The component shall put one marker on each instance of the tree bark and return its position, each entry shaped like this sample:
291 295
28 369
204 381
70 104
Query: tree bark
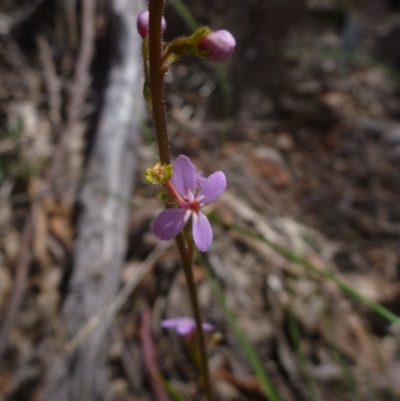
101 242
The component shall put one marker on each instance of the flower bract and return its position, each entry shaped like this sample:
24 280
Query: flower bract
190 199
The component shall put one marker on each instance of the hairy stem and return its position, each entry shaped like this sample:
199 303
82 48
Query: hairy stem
157 98
187 268
157 78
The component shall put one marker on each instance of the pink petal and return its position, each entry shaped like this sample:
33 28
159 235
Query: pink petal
169 223
213 187
200 180
170 323
185 327
202 232
207 326
142 24
219 45
184 177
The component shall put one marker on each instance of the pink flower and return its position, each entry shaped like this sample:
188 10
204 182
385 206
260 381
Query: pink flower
219 45
184 326
200 180
143 24
190 200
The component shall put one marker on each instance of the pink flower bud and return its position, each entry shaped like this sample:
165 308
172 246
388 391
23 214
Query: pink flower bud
143 24
219 45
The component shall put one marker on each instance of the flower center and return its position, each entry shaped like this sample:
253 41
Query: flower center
191 203
194 206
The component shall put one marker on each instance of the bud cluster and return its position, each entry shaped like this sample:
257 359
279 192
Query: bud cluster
215 46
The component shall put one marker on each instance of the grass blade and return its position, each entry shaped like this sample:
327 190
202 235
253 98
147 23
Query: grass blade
248 349
347 289
185 14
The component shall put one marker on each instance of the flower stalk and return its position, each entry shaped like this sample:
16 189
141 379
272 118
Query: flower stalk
156 75
157 78
187 268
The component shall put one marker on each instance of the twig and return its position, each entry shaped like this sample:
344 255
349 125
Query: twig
149 354
85 56
51 79
100 246
131 360
21 276
10 20
249 385
107 315
20 199
79 85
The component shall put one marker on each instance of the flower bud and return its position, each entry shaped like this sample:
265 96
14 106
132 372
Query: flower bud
218 44
143 24
159 174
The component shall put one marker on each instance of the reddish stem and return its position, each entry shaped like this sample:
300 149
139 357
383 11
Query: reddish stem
157 78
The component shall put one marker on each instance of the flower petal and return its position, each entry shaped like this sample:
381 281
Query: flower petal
200 180
170 323
169 223
202 232
213 187
185 327
207 326
184 176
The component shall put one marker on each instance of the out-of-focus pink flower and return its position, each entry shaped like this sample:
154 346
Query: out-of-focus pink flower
184 326
143 24
219 45
184 180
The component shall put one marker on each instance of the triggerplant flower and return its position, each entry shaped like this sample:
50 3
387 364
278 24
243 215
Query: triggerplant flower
219 45
143 24
183 186
184 326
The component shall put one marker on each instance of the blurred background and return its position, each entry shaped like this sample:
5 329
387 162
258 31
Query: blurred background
302 282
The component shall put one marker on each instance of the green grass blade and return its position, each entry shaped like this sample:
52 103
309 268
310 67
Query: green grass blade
295 337
248 349
185 14
346 372
347 289
171 390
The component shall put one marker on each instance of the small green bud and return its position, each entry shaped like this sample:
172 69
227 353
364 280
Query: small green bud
163 196
159 174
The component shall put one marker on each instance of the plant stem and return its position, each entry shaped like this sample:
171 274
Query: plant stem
187 268
157 98
157 78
